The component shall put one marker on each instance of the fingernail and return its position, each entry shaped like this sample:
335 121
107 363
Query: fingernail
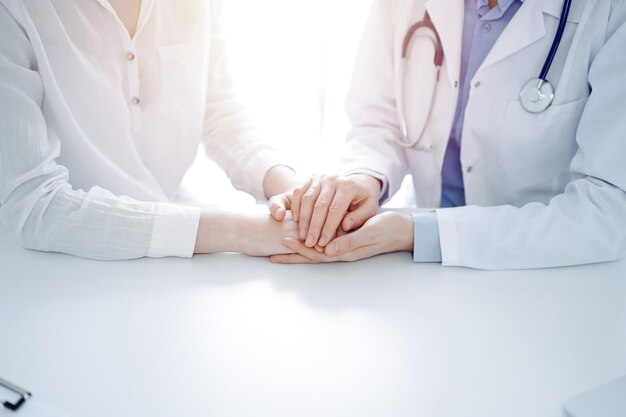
309 240
350 224
334 249
322 241
302 234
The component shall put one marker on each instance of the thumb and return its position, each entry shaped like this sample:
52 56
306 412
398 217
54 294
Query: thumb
279 204
348 243
358 217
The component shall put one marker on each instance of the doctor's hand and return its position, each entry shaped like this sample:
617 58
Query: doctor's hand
386 232
326 204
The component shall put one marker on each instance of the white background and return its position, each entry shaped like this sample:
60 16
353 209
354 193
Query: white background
293 60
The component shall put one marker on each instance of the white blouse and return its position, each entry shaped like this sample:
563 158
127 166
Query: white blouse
97 129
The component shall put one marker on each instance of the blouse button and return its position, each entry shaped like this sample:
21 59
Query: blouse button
130 56
135 101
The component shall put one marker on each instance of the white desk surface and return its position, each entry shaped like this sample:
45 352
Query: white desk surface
226 335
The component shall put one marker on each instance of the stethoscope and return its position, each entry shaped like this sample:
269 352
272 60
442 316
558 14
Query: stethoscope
536 96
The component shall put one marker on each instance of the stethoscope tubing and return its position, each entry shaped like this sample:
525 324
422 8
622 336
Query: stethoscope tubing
426 23
557 40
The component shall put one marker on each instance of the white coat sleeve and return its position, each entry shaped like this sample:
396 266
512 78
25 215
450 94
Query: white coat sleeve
371 104
229 137
40 207
585 224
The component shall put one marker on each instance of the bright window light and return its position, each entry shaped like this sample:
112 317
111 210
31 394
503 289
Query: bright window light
293 60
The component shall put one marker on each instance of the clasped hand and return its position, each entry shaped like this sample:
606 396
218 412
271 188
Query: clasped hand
337 221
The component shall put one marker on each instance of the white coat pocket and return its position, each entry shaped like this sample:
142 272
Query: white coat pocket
536 148
183 81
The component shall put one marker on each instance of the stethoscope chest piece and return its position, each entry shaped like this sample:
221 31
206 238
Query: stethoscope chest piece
537 95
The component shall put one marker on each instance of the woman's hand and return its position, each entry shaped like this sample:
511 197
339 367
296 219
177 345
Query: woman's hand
386 232
324 204
262 235
253 232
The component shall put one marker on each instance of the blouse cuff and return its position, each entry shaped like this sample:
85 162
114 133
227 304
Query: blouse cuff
174 231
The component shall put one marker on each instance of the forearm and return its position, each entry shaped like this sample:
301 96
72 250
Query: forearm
97 224
583 225
252 232
219 231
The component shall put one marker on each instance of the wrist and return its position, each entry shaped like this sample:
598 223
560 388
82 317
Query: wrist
220 231
405 232
279 179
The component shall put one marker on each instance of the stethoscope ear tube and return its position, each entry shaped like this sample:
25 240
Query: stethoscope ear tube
433 36
425 23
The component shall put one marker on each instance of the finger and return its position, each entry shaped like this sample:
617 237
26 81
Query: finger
301 249
306 208
296 199
295 258
351 242
320 213
358 217
339 232
337 211
279 205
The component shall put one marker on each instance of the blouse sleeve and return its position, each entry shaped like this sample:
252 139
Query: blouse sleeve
37 203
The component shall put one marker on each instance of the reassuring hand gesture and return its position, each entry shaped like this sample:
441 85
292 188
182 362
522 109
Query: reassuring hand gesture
386 232
325 204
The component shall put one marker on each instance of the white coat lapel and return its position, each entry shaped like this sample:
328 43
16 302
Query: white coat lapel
447 16
528 26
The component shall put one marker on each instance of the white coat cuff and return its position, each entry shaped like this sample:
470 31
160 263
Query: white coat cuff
448 237
426 244
174 231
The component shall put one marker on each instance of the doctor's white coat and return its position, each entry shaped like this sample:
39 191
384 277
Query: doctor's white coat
542 189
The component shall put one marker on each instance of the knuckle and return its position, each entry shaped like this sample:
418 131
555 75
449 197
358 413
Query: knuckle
313 189
331 179
321 203
335 209
347 184
349 180
351 243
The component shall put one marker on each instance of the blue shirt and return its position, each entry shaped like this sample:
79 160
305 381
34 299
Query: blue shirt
481 29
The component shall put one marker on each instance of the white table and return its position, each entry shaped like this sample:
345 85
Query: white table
228 335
